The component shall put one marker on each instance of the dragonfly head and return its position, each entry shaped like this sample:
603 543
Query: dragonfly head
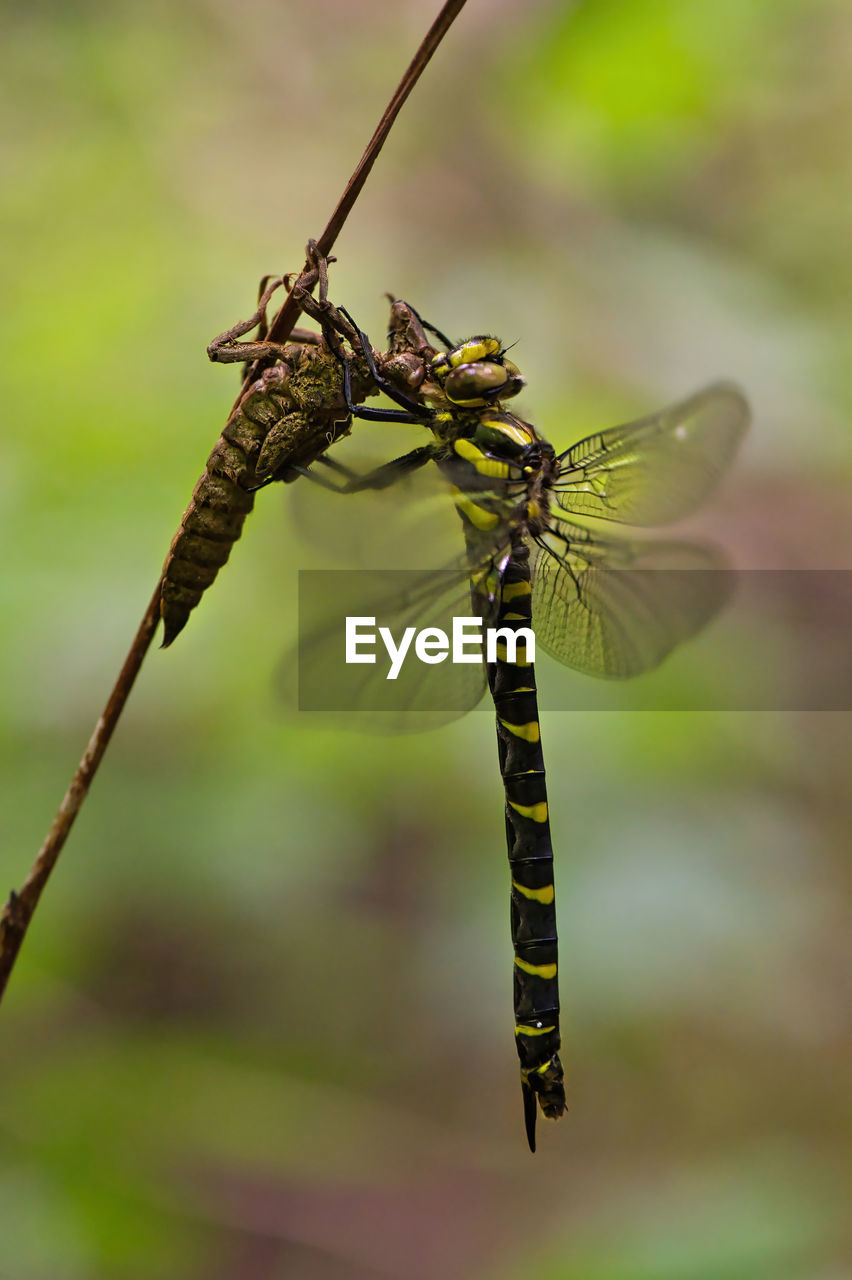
476 373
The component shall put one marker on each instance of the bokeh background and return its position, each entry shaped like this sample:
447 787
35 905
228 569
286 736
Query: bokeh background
262 1024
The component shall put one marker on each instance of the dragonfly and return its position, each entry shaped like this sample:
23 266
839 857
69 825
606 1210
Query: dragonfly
534 558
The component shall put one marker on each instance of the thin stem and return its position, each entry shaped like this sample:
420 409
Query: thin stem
18 911
280 328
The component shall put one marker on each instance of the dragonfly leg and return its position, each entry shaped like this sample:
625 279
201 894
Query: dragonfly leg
416 416
337 323
379 478
417 411
226 347
411 413
309 337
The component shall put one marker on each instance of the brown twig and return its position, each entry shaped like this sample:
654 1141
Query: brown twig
281 326
19 909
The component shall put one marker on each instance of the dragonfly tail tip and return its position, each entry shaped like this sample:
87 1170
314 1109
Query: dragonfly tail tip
530 1108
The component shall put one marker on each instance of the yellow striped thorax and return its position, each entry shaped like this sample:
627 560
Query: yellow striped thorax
476 373
485 464
480 515
503 433
504 473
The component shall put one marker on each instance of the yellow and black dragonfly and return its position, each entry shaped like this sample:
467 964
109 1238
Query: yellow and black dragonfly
534 558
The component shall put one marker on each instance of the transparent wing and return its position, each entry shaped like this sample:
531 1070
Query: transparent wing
615 608
656 469
401 532
360 695
412 524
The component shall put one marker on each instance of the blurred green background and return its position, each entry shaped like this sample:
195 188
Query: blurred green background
262 1024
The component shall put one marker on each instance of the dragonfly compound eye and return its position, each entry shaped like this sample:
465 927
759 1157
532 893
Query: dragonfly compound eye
515 381
477 383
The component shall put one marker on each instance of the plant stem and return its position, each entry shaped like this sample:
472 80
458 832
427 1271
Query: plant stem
18 911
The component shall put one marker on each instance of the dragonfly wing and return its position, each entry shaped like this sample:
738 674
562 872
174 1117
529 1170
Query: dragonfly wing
411 524
360 695
656 469
615 608
406 530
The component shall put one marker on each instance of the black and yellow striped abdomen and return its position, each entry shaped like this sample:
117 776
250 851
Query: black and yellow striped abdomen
533 910
500 487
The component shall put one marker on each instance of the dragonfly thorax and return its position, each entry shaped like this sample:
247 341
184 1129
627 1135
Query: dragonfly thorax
501 469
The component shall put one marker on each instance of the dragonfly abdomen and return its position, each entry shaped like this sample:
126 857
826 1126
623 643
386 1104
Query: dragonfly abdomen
533 913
